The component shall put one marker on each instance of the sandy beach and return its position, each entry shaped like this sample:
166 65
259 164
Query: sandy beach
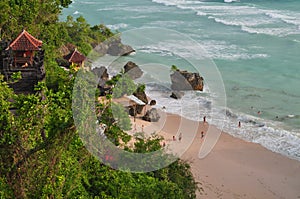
234 168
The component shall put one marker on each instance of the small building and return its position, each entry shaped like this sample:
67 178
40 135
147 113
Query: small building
75 58
23 49
25 55
134 102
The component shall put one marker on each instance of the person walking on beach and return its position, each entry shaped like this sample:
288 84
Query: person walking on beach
180 137
174 139
204 119
202 134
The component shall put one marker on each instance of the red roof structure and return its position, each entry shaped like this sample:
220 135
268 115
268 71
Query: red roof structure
75 57
25 42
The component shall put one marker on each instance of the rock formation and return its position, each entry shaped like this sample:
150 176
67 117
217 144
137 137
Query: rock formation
177 94
152 102
132 70
151 115
103 76
114 47
142 96
183 80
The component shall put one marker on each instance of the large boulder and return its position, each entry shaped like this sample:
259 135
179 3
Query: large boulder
103 76
143 97
152 102
114 47
177 94
183 80
119 49
132 70
151 115
101 48
131 111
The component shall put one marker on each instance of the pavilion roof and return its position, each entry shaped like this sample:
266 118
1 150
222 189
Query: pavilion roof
24 42
135 99
75 57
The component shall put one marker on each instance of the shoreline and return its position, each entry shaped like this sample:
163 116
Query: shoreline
234 168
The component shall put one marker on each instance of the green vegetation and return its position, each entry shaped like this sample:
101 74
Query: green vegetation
141 88
124 85
174 68
16 76
41 154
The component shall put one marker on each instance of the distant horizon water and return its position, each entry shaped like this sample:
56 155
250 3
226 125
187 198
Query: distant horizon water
254 43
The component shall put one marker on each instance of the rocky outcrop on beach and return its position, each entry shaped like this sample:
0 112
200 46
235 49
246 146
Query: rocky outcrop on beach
119 49
101 73
132 70
177 95
152 102
151 115
103 77
114 47
184 80
143 97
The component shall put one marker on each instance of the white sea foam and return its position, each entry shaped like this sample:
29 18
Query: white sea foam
107 9
135 9
195 105
248 17
246 21
170 3
211 49
287 17
167 24
199 13
230 1
90 2
77 13
117 26
184 49
281 32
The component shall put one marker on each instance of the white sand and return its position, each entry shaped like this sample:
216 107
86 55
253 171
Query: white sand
234 168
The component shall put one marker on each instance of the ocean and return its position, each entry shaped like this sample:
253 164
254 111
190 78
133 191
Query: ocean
255 45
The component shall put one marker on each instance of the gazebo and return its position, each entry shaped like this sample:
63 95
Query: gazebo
23 49
133 101
26 56
75 57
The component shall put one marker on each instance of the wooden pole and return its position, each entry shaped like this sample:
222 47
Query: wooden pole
134 111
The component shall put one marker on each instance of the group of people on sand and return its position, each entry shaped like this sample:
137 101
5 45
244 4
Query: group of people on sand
179 137
180 134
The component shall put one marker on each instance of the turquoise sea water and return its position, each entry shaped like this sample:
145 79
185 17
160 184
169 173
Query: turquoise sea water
254 43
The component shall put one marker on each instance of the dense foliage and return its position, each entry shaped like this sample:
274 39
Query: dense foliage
41 154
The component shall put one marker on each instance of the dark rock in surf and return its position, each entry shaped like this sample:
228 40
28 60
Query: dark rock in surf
114 47
177 95
183 80
132 70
